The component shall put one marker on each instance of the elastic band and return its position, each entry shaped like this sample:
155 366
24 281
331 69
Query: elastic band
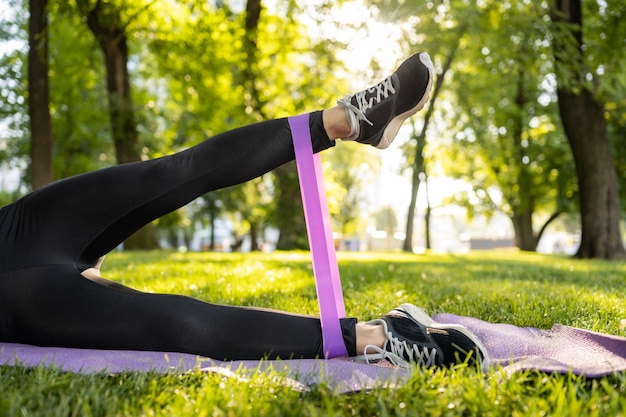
317 217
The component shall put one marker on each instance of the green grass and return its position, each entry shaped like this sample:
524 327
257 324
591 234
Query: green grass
500 286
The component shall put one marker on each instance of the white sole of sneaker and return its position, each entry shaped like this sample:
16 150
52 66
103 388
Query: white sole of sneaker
421 316
390 132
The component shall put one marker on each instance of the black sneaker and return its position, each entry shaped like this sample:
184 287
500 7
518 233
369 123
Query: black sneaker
376 114
414 337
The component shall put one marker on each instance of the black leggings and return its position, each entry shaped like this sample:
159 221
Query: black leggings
50 236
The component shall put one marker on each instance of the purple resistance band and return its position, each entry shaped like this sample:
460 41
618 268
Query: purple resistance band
325 268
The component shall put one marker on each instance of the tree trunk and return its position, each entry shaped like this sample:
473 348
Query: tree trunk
254 237
105 25
418 167
583 120
523 202
418 164
39 96
427 242
105 22
290 213
253 16
525 238
212 219
547 223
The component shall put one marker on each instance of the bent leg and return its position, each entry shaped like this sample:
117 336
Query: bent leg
82 218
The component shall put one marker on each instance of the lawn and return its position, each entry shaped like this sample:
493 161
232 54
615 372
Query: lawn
499 286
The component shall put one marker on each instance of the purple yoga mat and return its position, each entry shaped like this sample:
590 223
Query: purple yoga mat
561 349
342 374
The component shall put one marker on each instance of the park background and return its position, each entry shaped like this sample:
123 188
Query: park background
522 140
519 146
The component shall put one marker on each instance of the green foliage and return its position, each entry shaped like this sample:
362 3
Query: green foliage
349 169
517 288
385 219
13 110
497 122
514 142
78 104
193 76
604 63
498 126
192 55
607 63
617 132
189 70
6 198
212 84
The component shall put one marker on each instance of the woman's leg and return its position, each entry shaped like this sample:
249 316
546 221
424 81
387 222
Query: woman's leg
56 306
74 312
48 238
82 218
66 226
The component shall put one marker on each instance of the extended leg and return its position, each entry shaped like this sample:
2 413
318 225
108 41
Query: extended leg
55 306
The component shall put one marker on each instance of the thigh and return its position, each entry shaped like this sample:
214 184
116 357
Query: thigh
81 218
72 311
57 223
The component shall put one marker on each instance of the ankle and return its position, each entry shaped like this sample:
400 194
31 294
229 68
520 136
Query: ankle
369 335
336 123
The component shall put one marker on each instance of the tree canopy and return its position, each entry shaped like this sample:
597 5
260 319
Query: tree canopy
507 71
502 125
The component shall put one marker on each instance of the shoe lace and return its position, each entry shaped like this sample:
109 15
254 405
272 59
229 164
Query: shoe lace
376 94
399 351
